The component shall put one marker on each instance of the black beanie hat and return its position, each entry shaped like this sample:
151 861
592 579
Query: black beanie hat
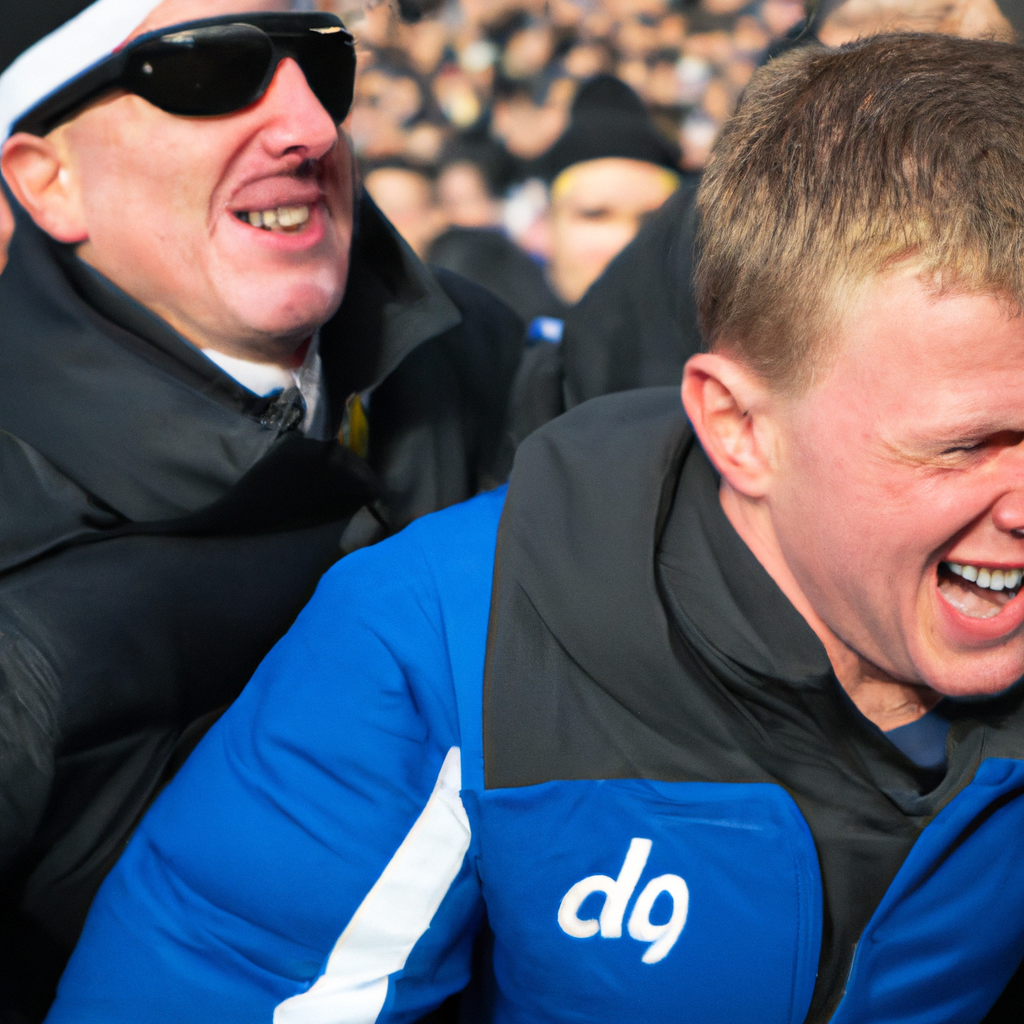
608 119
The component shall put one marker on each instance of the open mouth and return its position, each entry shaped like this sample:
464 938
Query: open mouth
978 591
287 219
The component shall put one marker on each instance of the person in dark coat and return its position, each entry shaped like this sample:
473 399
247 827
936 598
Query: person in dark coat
617 199
634 327
608 171
220 370
474 174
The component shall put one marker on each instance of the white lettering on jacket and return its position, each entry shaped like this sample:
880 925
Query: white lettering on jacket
617 894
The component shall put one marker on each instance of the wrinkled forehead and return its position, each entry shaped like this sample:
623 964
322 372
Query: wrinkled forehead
97 31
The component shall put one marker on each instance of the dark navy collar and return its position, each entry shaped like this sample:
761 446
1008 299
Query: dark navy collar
723 590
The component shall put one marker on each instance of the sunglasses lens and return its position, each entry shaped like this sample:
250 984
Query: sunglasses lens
329 64
201 72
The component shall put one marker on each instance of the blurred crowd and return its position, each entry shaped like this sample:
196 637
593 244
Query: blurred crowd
455 109
508 69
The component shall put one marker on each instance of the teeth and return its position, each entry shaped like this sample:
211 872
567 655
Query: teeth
282 217
990 579
292 216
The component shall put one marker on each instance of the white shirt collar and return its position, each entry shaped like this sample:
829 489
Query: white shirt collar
267 378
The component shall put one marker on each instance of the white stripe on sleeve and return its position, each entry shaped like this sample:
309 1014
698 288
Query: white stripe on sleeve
394 914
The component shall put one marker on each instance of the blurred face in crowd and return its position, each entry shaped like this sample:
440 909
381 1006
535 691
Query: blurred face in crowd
596 209
164 205
6 230
464 197
525 129
406 198
887 499
855 19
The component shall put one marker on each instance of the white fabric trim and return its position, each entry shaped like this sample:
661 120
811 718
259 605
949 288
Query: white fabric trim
66 52
69 50
259 378
394 914
266 378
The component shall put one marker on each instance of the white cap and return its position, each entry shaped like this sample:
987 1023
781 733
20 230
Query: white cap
71 49
66 52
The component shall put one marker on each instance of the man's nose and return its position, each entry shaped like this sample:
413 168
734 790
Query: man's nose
1008 511
297 120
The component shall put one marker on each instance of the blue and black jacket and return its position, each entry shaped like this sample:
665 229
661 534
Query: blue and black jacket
586 747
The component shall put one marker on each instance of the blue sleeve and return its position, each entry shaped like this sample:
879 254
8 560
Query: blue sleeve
330 787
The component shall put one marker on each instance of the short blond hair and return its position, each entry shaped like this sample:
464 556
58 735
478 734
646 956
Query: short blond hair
840 164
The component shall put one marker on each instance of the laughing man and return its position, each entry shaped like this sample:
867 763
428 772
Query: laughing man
725 727
220 369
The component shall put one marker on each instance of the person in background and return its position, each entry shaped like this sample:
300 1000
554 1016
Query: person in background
406 196
717 714
473 175
472 178
220 371
6 228
464 196
608 172
528 117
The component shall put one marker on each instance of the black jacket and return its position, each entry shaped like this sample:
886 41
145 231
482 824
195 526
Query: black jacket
634 328
161 527
491 259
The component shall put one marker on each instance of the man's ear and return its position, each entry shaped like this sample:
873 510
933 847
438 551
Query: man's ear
730 409
38 173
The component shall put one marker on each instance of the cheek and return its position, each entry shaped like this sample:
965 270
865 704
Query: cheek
867 526
594 243
834 523
139 194
339 185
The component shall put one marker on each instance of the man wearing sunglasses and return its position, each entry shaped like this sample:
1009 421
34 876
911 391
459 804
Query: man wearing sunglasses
220 370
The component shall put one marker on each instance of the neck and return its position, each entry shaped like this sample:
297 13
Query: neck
286 360
886 701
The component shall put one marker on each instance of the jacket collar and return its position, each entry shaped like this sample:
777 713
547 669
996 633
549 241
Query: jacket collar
713 580
121 404
622 500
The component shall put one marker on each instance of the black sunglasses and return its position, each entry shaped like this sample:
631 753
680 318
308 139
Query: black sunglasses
214 66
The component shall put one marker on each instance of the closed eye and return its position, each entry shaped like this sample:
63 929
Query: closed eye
1002 439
